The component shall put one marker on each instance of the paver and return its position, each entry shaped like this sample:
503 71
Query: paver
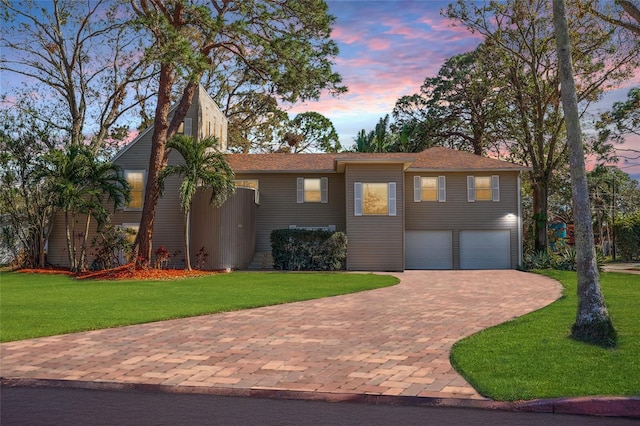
390 341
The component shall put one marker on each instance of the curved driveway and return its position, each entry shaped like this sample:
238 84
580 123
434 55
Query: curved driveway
391 341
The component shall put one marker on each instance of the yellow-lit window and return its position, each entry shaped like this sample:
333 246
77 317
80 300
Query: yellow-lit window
483 188
429 188
135 178
375 199
312 192
246 183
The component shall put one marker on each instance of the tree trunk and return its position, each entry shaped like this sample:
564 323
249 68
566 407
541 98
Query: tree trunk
156 163
83 250
540 218
187 254
592 324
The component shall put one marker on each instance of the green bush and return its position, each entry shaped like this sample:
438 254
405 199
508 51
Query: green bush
628 237
538 260
308 250
565 260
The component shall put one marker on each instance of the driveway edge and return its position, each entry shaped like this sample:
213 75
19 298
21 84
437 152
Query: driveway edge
590 406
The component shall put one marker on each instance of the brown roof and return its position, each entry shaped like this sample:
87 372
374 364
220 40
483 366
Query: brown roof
437 158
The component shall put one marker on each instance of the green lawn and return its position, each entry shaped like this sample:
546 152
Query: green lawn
35 305
532 357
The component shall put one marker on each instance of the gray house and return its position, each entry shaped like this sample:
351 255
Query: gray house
437 209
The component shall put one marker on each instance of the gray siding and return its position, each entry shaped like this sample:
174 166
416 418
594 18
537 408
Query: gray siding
279 208
227 233
458 214
376 243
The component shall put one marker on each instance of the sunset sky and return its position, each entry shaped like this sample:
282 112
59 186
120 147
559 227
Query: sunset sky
387 48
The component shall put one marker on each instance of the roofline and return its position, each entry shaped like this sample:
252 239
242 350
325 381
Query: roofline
238 172
467 169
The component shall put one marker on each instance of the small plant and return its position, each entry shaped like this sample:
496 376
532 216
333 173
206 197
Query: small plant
110 246
162 257
538 260
201 258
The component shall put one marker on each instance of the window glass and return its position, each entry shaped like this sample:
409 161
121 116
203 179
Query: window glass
429 188
246 183
375 199
483 188
131 231
312 192
136 184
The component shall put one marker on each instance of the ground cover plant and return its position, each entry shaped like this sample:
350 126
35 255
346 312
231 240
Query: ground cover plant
533 356
35 305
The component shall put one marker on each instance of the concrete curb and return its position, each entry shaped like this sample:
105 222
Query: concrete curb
590 406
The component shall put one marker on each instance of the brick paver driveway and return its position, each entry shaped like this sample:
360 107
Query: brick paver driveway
391 341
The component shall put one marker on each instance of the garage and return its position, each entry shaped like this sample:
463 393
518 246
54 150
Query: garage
485 249
428 250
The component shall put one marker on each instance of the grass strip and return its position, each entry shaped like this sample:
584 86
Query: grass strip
533 356
36 305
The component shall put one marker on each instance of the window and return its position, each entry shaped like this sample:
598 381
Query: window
375 199
131 231
313 190
246 183
185 127
483 188
136 181
429 189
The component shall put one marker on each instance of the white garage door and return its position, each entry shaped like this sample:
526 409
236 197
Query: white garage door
428 250
485 250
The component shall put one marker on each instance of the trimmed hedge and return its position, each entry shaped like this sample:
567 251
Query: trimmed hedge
308 250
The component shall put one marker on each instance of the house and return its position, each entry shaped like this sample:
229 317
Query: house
437 209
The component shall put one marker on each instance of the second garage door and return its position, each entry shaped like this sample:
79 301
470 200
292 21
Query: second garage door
428 250
485 249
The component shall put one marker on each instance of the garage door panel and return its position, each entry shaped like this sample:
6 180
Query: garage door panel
485 249
428 250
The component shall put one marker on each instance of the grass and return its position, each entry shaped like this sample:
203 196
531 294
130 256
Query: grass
35 305
533 356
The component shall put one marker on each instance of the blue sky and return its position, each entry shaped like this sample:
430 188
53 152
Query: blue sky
387 49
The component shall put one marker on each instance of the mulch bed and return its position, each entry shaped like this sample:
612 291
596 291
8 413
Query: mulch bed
125 272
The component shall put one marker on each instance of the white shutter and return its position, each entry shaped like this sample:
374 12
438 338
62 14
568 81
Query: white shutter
300 190
442 189
471 189
417 189
392 198
357 198
495 188
187 126
324 190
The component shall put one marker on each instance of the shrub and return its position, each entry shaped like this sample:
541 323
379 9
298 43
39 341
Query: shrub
108 246
537 260
628 237
308 250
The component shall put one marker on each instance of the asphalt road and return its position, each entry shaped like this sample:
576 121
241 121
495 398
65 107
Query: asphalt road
69 407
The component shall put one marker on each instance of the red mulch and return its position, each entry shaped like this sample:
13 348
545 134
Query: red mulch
125 272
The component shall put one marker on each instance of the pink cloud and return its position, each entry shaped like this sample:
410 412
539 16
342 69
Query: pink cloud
379 44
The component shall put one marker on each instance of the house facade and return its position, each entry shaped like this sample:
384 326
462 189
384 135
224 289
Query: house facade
437 209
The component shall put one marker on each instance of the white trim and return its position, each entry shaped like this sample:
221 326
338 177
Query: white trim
300 190
495 188
391 189
357 198
442 189
324 190
471 189
417 189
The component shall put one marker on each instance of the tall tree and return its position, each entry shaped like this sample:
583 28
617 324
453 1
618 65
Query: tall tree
626 14
622 121
519 35
203 168
283 45
311 132
81 58
27 202
458 108
592 323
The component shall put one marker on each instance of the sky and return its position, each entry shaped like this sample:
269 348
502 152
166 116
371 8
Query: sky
387 49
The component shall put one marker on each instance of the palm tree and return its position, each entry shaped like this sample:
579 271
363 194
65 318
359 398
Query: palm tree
203 167
80 183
